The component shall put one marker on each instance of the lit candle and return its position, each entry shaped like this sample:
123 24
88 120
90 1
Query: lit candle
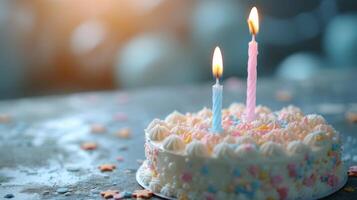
217 90
253 23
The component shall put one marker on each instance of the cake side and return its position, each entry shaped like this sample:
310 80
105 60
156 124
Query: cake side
281 155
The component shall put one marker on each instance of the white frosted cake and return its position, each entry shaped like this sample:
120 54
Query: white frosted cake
281 155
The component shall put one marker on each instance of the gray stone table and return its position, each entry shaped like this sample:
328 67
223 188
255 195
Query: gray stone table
40 154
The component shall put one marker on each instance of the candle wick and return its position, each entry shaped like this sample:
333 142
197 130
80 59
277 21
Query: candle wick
253 37
217 80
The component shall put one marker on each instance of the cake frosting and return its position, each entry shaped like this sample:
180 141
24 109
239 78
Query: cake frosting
158 132
280 155
173 143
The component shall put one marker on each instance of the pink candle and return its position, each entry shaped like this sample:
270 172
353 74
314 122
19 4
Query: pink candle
253 24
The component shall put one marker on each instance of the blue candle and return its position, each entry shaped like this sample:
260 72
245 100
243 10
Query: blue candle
217 91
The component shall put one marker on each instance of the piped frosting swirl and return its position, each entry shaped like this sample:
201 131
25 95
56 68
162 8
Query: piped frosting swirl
158 133
173 143
197 149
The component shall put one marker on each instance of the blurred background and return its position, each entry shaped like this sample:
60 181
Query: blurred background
63 46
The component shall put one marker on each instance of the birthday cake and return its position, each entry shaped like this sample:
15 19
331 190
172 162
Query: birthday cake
280 155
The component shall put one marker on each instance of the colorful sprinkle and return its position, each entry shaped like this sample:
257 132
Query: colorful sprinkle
123 98
351 117
120 117
253 170
335 146
186 177
5 118
124 133
263 128
204 170
211 139
353 169
236 173
97 128
292 170
247 192
283 192
123 195
106 167
348 189
89 146
144 194
187 137
209 196
263 175
282 123
352 174
109 193
332 180
309 181
320 138
239 189
236 133
324 179
276 180
283 95
211 189
255 185
309 160
299 173
120 158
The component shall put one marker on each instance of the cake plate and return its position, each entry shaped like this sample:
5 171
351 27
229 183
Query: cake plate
142 169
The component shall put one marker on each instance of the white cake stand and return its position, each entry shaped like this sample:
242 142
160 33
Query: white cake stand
141 171
143 167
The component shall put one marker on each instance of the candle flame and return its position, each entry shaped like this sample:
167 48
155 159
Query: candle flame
253 21
217 63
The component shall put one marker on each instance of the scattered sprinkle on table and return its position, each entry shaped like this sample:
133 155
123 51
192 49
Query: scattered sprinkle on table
97 128
124 133
89 146
144 194
351 117
348 189
283 95
123 98
352 174
123 195
353 169
120 116
109 193
107 167
5 118
120 158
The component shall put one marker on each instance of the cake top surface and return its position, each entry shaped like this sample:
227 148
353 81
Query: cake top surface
284 132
